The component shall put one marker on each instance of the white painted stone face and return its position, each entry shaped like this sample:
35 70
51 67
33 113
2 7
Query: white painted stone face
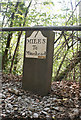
36 45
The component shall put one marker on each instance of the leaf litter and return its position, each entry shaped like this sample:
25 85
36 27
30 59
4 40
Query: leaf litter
62 103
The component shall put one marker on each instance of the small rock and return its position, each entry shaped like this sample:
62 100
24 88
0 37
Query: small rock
71 115
80 116
23 114
7 111
27 100
61 109
3 96
15 91
46 109
15 105
76 111
77 106
31 108
30 112
48 117
23 96
19 98
12 111
16 115
80 94
44 112
37 100
47 105
10 106
15 108
20 93
35 115
54 98
56 108
3 115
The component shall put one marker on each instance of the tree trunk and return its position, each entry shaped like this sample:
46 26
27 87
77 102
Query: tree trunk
63 59
19 36
4 59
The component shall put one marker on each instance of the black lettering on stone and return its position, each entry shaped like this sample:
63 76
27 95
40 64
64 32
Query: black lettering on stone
35 42
44 41
28 40
39 41
34 47
31 41
28 52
